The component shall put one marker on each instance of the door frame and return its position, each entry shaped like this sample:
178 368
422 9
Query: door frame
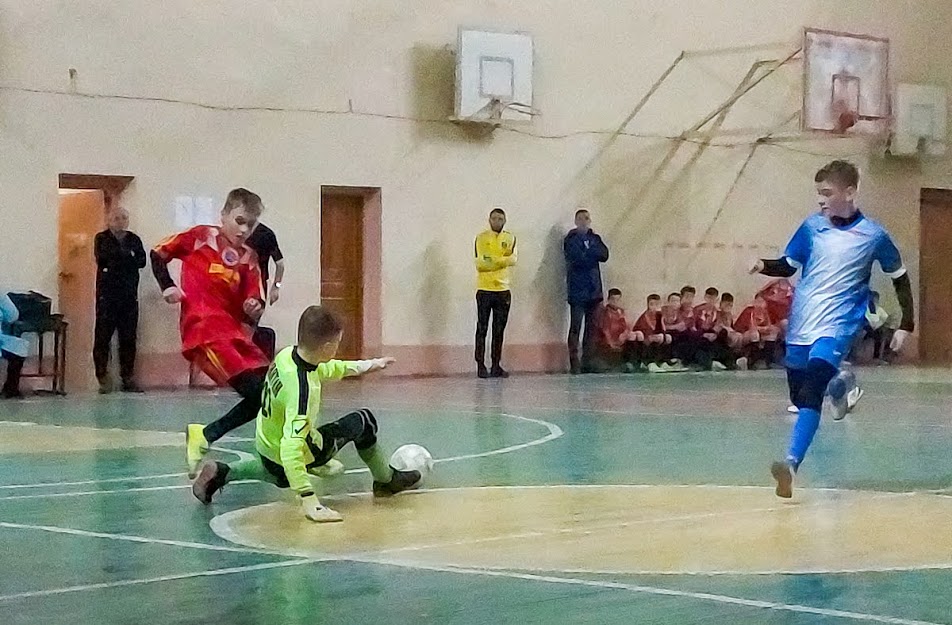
111 186
372 315
931 196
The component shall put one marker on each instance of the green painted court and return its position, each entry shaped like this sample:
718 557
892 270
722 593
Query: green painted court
640 499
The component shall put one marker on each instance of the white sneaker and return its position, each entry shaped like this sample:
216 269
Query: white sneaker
793 409
332 468
742 363
718 366
853 397
655 368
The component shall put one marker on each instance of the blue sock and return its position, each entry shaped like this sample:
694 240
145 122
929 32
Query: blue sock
808 422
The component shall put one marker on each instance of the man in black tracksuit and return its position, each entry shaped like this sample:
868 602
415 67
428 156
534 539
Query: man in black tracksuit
119 258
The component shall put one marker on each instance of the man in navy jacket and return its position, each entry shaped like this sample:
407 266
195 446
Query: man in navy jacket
584 251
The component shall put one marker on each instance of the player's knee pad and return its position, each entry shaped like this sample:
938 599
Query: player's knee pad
817 377
368 430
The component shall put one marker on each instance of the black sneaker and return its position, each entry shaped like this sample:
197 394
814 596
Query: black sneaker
401 481
482 372
211 477
498 372
131 387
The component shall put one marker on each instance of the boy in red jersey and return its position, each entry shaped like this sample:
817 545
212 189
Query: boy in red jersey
221 298
652 331
759 331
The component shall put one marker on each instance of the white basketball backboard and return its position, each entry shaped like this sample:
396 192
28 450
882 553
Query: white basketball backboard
921 123
493 76
845 73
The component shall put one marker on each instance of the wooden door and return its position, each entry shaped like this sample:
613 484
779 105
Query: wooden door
81 216
935 280
342 216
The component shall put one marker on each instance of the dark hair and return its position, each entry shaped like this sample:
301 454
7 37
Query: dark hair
670 295
842 173
243 197
497 210
614 292
711 291
654 297
727 297
688 289
317 326
580 211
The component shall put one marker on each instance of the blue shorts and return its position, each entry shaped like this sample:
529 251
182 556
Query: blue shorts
829 349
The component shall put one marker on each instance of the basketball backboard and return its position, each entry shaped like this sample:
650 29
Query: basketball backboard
493 76
845 82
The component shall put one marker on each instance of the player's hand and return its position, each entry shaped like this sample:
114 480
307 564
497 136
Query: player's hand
274 294
173 295
318 513
757 267
898 340
253 307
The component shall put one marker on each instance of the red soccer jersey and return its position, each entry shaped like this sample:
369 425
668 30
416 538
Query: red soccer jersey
705 317
216 281
673 316
612 326
650 323
752 318
779 296
725 319
687 316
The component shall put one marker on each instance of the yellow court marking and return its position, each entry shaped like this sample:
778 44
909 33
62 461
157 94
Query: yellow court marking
617 529
33 438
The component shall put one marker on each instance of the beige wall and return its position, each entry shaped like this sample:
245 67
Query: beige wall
594 60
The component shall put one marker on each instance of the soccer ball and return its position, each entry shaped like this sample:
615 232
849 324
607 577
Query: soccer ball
412 458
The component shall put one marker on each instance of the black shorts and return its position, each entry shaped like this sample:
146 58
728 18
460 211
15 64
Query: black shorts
358 427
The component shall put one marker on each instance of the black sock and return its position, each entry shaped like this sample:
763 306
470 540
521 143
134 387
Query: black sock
249 385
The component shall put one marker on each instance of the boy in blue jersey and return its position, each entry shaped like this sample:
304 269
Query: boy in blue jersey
835 250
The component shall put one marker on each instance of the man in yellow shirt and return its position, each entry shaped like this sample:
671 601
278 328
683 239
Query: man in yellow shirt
292 446
495 251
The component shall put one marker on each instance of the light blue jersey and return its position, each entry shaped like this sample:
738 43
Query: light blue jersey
836 263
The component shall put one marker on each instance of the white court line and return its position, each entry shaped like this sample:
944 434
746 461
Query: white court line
652 590
151 580
222 526
88 482
132 538
115 491
554 433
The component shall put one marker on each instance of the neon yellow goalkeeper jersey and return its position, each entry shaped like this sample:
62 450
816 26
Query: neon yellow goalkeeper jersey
290 406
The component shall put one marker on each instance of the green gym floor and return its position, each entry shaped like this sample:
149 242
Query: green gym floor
592 499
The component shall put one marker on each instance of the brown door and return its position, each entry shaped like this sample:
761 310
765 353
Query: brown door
342 216
935 280
81 216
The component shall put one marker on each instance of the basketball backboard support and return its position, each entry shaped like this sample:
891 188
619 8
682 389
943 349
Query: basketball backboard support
845 83
493 77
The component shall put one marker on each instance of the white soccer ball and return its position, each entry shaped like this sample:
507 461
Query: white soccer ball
412 458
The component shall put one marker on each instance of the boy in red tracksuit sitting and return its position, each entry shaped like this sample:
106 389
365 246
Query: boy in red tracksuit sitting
614 336
651 331
759 331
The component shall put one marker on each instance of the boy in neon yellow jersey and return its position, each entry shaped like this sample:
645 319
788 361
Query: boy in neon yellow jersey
290 442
